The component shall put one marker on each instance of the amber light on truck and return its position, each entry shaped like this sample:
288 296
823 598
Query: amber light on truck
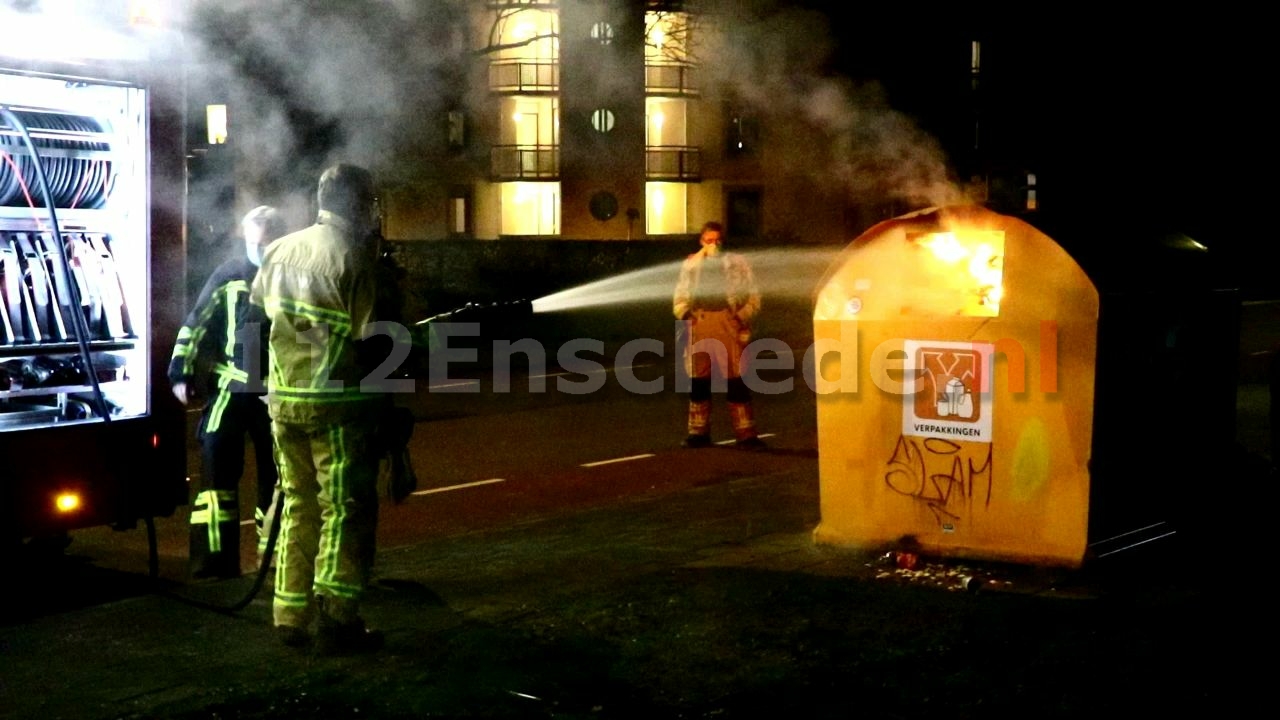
67 502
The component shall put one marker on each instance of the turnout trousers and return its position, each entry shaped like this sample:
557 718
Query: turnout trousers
328 474
215 518
716 340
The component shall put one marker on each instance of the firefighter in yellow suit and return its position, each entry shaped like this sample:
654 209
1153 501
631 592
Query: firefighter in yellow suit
717 297
318 288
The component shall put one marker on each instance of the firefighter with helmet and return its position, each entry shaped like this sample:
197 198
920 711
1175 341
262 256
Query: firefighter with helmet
218 359
318 287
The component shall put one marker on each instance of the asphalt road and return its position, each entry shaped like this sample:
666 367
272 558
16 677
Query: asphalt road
556 564
493 448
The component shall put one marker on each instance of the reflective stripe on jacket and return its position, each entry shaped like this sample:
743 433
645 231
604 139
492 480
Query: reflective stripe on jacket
211 345
317 287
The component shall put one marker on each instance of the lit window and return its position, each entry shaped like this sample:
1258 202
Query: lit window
602 32
666 36
602 120
459 219
665 208
530 208
216 119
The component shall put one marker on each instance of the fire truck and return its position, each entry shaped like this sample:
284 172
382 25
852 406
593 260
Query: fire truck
92 207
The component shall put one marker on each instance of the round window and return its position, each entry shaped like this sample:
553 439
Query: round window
602 120
604 205
602 32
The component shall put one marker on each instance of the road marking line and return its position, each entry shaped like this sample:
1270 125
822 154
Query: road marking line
463 383
589 372
1140 542
761 436
458 487
1125 534
616 460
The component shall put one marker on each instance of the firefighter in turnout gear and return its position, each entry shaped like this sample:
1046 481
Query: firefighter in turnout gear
218 359
716 298
318 287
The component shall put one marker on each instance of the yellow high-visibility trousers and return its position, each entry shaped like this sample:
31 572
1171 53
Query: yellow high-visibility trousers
328 474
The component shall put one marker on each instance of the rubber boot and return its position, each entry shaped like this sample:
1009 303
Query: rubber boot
215 535
744 426
699 424
342 633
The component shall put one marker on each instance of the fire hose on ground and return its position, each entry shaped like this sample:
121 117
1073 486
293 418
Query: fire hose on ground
402 480
259 578
396 434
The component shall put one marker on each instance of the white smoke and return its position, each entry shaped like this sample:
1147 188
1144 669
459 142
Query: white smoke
778 58
358 81
310 82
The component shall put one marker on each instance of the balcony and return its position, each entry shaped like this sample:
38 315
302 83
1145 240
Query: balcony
524 76
503 4
669 78
508 163
677 163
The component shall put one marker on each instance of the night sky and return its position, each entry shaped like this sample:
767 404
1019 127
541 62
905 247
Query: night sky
1158 118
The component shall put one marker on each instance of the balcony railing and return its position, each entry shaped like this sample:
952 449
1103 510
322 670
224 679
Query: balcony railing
524 162
524 76
673 162
670 79
499 4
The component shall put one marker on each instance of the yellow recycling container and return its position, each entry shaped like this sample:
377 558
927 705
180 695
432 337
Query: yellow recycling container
954 366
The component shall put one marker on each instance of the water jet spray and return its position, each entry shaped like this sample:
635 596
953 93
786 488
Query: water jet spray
783 274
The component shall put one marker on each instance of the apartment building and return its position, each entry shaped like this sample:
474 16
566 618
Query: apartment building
593 120
598 120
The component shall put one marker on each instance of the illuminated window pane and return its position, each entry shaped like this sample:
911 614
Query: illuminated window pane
216 120
459 215
665 37
602 32
602 120
458 220
530 208
665 205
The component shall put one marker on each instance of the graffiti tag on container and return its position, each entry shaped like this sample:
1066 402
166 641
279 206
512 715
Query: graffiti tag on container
940 474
